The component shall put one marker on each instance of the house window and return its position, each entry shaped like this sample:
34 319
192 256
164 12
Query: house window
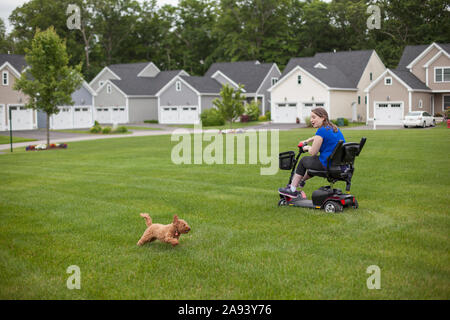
101 83
280 105
274 80
442 75
108 88
420 103
178 86
371 76
359 99
388 81
365 100
299 79
5 78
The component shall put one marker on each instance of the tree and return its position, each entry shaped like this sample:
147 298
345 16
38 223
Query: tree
230 106
6 43
49 81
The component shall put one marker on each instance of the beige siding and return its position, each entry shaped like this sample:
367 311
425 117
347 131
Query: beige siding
376 67
140 109
113 99
10 96
381 92
442 61
426 101
341 104
150 71
207 101
418 70
106 75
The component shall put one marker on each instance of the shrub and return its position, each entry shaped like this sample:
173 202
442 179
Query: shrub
268 115
252 110
96 124
447 113
121 129
345 122
95 129
106 130
262 118
212 117
150 121
308 122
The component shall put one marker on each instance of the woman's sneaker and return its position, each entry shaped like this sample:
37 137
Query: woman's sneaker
288 193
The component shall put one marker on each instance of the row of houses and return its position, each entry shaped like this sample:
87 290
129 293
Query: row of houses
349 84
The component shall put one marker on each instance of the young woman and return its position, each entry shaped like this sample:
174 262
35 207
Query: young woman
326 138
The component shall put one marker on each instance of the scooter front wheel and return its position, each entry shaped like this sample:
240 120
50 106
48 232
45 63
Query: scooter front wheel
282 203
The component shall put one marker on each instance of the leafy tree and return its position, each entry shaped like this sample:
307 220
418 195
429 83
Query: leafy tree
49 81
231 105
6 43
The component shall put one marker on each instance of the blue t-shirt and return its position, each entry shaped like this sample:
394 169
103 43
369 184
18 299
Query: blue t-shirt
330 140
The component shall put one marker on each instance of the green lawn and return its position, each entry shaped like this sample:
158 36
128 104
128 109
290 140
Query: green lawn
6 139
80 206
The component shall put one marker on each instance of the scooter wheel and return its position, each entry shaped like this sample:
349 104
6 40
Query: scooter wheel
355 205
282 202
332 207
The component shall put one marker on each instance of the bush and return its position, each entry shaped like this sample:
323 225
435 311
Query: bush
96 128
345 122
106 130
121 129
252 110
268 115
308 122
262 118
447 113
150 121
212 117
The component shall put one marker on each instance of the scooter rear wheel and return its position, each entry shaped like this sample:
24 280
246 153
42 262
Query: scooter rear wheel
332 207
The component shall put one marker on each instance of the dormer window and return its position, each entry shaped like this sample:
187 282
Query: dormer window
299 79
388 81
320 66
108 88
371 76
274 80
178 85
442 74
5 78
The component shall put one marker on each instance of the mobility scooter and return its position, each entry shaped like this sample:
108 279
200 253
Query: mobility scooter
340 167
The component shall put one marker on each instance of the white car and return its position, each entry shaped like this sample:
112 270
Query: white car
419 119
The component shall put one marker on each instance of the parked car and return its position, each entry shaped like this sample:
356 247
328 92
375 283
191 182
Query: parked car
419 119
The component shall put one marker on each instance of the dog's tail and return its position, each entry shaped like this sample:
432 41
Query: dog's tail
147 218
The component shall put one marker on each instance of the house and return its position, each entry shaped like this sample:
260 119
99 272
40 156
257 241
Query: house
11 67
421 82
78 115
126 93
256 77
332 80
184 98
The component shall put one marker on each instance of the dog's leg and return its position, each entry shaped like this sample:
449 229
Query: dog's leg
146 237
173 242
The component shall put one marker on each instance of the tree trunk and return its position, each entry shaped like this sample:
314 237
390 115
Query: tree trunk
48 130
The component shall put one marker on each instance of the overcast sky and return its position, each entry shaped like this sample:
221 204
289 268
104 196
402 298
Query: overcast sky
7 7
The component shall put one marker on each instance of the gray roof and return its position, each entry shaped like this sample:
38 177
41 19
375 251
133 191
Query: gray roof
133 85
16 60
249 73
410 79
412 52
344 68
203 84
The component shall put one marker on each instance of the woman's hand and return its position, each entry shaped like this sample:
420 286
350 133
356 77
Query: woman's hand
306 148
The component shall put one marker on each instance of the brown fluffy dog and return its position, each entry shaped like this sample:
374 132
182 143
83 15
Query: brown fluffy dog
169 233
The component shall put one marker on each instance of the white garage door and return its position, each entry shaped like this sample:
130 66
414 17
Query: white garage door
82 117
62 120
285 113
2 117
179 114
22 118
307 107
389 113
119 115
103 115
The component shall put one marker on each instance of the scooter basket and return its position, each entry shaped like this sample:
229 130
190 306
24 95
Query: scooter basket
286 160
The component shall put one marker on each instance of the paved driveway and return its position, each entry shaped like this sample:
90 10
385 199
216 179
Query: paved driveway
41 134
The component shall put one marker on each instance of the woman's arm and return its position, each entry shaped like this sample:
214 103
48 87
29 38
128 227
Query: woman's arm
309 140
317 143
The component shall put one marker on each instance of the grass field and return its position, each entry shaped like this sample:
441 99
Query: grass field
80 206
5 139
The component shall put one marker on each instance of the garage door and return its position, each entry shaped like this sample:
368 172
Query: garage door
22 118
285 113
82 117
2 118
119 115
389 113
62 120
307 107
184 114
103 115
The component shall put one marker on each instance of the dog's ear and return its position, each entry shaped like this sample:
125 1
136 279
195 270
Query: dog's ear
175 218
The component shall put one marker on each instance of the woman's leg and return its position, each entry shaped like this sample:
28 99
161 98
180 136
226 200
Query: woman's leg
309 162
